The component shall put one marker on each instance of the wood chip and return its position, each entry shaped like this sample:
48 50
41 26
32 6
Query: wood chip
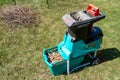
54 57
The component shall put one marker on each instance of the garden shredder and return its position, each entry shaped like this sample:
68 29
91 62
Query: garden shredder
81 38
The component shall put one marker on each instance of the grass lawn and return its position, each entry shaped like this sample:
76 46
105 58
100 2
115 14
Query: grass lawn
21 48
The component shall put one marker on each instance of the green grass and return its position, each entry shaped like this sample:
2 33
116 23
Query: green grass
21 48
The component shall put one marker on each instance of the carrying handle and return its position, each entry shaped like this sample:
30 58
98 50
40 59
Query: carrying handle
93 10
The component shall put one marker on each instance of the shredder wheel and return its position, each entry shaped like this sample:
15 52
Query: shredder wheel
95 61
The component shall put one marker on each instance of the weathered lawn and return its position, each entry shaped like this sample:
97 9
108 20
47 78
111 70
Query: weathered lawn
21 48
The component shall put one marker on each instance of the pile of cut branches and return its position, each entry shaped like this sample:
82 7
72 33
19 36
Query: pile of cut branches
17 15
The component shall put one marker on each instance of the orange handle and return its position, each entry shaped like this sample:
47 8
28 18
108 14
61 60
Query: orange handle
93 10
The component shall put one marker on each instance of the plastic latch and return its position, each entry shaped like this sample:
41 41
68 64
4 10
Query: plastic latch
93 10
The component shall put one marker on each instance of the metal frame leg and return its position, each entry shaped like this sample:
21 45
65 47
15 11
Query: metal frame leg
68 67
90 56
95 53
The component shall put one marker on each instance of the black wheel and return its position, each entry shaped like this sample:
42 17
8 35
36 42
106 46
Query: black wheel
95 61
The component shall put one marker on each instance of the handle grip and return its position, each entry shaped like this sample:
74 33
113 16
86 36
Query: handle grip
93 10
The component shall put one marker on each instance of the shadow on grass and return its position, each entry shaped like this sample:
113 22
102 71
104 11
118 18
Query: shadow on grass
104 55
109 54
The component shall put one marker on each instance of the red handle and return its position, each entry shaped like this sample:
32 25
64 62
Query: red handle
93 10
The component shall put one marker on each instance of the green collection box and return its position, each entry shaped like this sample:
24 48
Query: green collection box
60 67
